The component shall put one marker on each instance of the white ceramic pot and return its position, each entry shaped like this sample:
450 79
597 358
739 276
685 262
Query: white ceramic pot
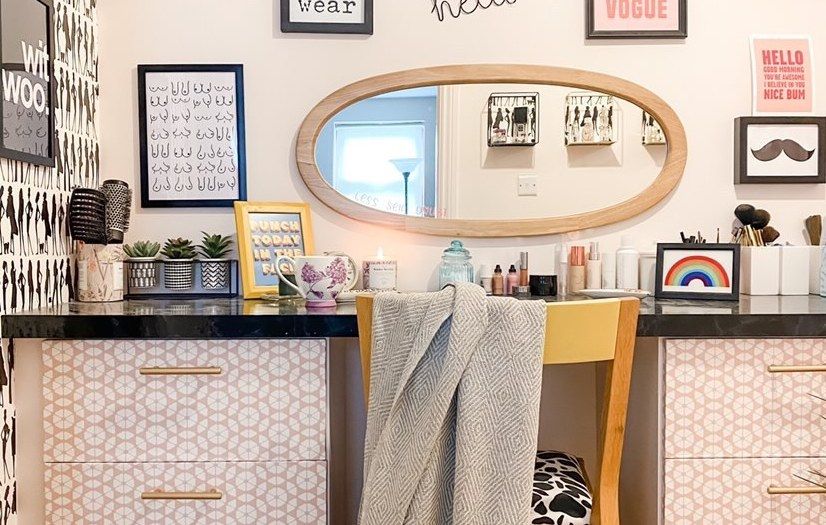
178 274
794 270
214 274
760 270
815 263
142 272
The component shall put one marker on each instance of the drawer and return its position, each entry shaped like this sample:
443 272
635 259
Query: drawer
268 403
721 400
250 493
700 491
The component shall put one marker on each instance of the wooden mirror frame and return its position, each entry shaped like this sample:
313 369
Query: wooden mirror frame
666 181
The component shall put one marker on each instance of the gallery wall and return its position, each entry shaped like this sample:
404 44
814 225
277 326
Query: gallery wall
705 78
35 252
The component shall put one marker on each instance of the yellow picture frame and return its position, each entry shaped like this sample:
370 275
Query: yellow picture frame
250 278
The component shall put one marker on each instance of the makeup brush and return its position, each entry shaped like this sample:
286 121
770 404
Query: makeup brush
761 219
814 226
745 213
769 234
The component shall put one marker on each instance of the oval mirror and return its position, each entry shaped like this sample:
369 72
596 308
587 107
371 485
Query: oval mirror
492 150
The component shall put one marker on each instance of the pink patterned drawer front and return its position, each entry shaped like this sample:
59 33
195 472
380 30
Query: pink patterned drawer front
252 493
722 401
268 404
705 491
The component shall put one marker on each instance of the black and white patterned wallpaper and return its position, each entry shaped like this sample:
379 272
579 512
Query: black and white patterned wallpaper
35 250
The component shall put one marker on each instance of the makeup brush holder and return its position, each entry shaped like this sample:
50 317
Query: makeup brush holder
760 270
794 270
815 265
99 273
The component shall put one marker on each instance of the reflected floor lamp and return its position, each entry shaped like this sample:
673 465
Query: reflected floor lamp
406 167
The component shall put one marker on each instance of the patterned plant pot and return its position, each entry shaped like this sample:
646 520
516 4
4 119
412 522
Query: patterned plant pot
143 272
178 274
214 274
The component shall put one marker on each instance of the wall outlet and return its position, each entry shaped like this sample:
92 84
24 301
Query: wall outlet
527 186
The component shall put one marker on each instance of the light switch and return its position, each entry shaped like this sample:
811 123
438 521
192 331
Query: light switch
527 186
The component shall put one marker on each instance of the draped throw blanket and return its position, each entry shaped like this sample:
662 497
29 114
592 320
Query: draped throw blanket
453 413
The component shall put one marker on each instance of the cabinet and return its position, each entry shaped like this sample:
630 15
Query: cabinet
245 418
741 416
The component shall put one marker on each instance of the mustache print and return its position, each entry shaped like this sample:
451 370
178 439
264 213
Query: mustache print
773 149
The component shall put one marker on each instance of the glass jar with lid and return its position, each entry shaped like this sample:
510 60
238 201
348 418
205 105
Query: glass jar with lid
456 266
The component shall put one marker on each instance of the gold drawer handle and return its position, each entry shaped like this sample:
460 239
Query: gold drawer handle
796 491
178 496
197 371
793 369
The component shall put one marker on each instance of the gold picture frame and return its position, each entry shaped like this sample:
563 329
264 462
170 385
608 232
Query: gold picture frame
256 252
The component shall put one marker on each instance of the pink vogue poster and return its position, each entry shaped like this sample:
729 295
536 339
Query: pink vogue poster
783 76
636 15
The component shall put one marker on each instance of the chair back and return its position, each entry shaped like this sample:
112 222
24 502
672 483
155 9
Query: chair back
576 332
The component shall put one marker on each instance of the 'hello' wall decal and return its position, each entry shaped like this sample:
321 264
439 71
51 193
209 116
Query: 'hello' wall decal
457 8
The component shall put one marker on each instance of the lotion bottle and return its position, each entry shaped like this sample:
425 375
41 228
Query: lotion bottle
593 268
512 281
576 269
628 265
562 274
498 281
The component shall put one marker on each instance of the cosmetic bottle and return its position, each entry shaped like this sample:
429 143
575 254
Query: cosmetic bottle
593 268
486 278
512 281
609 271
498 281
576 269
628 265
524 279
563 272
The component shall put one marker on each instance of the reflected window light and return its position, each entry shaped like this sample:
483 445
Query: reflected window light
362 167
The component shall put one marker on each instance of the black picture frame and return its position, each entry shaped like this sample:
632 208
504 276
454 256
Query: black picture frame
18 155
238 70
363 28
592 34
741 150
659 293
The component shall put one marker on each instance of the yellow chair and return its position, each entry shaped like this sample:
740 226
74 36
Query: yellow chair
577 332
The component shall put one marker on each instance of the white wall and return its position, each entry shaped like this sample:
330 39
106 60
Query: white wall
705 78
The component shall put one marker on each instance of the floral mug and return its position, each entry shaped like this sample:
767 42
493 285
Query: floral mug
320 278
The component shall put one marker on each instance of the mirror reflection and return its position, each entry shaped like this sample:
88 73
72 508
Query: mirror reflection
490 151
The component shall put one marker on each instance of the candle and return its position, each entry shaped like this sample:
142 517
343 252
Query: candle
380 272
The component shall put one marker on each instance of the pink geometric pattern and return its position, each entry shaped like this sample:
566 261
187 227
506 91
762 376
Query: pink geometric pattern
269 403
253 493
735 491
721 401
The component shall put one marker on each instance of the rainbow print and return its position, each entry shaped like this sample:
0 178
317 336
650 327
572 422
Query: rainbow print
698 268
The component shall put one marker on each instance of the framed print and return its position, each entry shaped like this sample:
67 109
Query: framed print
652 132
513 119
192 135
636 18
782 75
267 230
779 150
698 271
27 68
327 16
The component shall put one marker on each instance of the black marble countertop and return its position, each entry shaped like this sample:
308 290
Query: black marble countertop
803 316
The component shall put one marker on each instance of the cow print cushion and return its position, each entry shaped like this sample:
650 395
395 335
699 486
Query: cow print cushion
560 493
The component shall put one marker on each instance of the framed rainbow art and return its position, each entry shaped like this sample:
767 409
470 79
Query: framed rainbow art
698 271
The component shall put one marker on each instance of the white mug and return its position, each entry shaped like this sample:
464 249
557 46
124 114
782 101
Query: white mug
320 278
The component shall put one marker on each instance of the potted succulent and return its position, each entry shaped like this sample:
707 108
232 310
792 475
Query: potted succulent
141 258
177 268
215 272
